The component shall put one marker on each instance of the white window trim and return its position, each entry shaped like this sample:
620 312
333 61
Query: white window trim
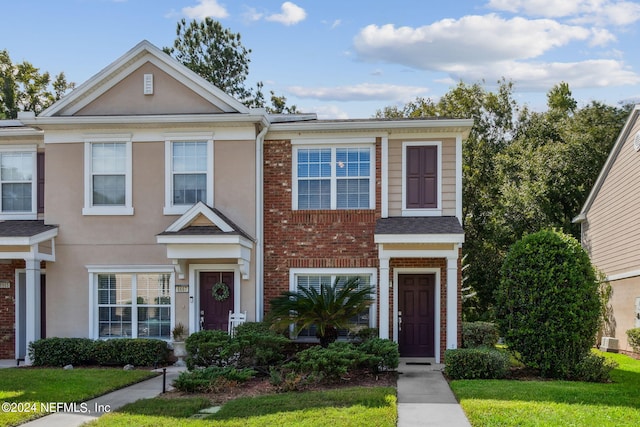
94 271
33 214
169 207
89 209
333 178
421 212
342 272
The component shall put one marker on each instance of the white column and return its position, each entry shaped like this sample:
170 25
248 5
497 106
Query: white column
383 326
32 299
452 302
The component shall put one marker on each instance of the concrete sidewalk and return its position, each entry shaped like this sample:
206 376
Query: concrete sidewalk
94 408
425 398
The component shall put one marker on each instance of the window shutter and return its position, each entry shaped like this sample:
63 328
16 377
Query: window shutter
40 182
422 177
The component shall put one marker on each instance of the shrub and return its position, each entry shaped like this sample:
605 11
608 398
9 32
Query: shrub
548 306
207 348
62 351
380 354
211 379
137 352
475 363
365 334
331 362
593 368
633 335
84 351
479 334
258 347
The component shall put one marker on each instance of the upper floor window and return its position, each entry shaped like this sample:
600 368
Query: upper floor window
422 175
108 177
335 177
189 171
18 183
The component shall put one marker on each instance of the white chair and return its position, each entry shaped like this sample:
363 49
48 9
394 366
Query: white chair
235 319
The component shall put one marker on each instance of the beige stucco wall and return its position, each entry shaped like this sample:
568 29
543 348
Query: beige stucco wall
612 231
448 179
131 240
169 97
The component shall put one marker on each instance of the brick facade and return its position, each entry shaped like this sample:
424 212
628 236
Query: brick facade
8 309
309 239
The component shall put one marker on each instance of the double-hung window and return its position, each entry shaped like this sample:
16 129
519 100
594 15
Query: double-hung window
108 183
314 278
132 305
18 184
189 177
334 177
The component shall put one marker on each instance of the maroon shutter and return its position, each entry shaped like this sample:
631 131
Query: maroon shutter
40 182
422 177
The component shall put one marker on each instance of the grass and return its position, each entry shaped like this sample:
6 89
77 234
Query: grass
357 406
555 403
43 385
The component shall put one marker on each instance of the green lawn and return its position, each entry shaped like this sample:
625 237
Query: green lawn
555 403
31 386
357 406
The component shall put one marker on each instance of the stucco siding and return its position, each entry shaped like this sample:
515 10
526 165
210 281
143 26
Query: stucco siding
447 180
623 300
127 97
612 231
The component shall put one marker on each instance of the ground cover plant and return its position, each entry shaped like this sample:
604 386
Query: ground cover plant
540 402
354 406
32 386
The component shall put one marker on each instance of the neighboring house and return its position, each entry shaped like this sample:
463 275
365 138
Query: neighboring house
611 231
160 187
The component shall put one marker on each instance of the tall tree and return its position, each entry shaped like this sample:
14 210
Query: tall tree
24 88
217 54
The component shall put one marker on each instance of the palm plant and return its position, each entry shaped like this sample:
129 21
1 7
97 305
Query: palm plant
329 309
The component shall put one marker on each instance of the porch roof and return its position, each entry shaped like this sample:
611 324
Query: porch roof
25 232
430 229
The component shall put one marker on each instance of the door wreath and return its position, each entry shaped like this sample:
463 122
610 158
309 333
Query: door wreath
220 291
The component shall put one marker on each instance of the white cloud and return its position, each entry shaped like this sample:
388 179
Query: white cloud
291 14
251 14
327 112
599 12
449 43
204 9
359 92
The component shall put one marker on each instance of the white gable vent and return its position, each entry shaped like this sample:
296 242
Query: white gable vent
148 84
636 142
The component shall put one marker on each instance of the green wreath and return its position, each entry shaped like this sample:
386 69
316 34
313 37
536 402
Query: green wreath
220 291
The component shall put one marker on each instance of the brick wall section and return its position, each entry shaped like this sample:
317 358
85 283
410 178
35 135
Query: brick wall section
8 309
309 239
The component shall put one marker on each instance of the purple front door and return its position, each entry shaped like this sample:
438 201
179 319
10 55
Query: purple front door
214 314
416 313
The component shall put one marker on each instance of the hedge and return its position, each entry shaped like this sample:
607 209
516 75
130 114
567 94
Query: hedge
475 363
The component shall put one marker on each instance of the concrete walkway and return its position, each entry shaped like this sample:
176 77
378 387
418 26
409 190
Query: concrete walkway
108 403
424 396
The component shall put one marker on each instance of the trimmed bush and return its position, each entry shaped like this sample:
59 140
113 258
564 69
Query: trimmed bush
211 379
633 335
256 346
475 363
548 305
479 334
331 362
207 348
62 351
593 368
137 352
380 354
84 351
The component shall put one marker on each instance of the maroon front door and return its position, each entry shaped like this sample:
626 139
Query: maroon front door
416 315
214 314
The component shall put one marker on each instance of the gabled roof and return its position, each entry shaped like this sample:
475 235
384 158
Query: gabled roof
624 135
215 224
122 67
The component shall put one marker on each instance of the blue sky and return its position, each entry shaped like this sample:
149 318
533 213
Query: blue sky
348 58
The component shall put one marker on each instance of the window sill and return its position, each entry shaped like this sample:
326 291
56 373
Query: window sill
6 216
107 210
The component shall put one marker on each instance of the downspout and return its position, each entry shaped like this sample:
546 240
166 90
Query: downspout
260 224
